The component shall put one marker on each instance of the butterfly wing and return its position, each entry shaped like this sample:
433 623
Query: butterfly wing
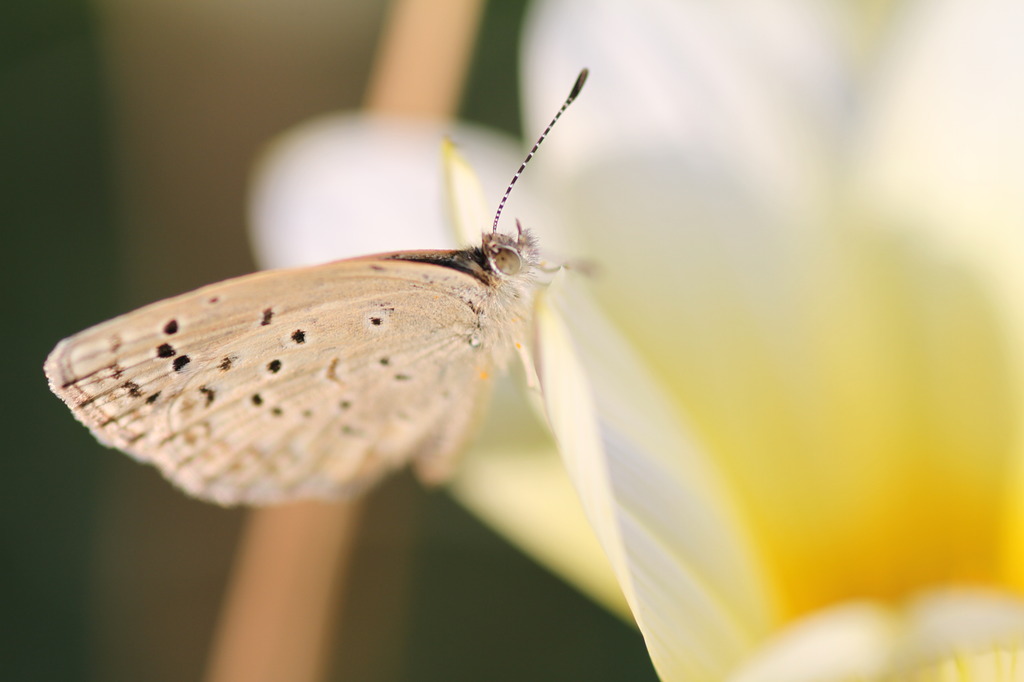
289 384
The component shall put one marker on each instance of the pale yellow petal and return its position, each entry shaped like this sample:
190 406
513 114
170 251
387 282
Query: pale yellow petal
855 386
526 496
657 506
468 211
963 634
513 479
958 620
943 145
998 665
845 643
943 154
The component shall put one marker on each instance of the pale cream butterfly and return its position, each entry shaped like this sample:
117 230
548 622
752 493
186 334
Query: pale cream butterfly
313 381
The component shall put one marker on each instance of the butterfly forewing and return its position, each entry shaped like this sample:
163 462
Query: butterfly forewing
291 383
312 381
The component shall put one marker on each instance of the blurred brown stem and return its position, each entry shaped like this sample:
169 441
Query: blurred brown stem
279 612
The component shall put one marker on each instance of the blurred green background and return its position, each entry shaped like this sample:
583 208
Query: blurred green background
128 129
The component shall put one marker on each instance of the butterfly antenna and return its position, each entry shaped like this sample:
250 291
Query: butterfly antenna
580 80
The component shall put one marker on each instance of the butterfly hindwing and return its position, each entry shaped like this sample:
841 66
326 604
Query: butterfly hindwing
291 383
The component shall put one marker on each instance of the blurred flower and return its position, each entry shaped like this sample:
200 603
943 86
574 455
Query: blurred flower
802 453
790 397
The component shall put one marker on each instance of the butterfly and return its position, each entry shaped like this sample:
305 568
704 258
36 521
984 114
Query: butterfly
312 381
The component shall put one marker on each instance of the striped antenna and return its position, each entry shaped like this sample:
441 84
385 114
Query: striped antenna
580 80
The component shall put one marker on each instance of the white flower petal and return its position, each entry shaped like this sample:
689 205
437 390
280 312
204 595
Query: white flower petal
760 89
659 509
943 144
847 642
867 640
952 621
352 184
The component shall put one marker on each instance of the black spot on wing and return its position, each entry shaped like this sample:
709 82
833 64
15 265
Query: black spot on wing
268 315
171 327
180 362
379 317
165 350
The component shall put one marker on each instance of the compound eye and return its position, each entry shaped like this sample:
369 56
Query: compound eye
507 261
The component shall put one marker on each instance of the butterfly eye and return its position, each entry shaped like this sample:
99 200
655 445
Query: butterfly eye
506 260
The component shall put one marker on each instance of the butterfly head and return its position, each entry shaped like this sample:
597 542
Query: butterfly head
507 255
